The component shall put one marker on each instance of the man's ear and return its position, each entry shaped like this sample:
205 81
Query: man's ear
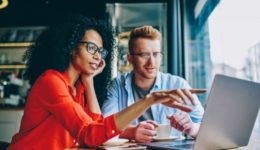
130 58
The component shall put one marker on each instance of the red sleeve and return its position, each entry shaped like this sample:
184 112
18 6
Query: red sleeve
88 128
98 132
94 116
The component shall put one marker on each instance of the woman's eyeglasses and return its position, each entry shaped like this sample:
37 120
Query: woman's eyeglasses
92 48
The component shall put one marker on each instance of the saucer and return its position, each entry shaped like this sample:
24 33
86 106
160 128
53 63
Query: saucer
164 138
117 142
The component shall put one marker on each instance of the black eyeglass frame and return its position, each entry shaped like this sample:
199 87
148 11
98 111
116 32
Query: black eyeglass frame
144 54
103 52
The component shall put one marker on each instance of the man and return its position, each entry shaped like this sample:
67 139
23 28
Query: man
145 56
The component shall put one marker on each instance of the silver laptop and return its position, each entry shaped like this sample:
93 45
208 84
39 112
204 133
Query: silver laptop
229 118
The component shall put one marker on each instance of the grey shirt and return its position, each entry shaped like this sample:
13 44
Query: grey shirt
138 94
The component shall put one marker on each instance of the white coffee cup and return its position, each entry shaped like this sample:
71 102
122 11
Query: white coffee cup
163 131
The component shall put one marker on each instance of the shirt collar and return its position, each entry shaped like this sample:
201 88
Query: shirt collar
79 85
128 82
157 84
158 81
66 78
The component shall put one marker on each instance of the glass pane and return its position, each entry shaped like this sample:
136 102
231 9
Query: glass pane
226 41
127 16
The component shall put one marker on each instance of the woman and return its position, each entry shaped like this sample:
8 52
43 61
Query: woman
62 109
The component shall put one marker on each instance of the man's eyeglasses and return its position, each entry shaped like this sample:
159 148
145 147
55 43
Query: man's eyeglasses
92 48
147 55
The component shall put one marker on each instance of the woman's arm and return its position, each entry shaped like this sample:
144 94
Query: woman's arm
174 98
126 116
90 95
58 100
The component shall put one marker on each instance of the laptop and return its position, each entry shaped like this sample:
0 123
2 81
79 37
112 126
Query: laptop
229 118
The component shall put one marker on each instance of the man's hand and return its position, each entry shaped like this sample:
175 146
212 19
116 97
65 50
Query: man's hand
182 122
145 131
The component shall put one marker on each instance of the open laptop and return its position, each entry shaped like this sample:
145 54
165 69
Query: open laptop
229 118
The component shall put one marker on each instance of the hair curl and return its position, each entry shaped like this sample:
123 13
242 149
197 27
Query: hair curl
53 48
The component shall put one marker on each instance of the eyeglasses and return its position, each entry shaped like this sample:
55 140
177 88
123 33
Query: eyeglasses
92 48
147 55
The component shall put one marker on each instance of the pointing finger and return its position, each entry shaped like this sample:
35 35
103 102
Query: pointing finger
182 107
189 95
198 91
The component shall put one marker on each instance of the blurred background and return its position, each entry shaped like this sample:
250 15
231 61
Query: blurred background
200 38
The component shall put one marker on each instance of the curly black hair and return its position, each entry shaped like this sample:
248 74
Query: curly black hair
53 47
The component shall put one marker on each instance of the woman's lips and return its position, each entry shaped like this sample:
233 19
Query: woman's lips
94 66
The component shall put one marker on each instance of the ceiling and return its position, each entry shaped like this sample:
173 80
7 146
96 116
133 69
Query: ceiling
125 17
29 15
47 12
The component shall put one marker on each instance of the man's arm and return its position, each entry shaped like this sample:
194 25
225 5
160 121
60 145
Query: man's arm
197 110
111 102
188 123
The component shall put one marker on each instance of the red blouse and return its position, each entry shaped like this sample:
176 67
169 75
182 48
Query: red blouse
55 119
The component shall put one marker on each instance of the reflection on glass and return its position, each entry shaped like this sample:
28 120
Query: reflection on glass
224 40
127 16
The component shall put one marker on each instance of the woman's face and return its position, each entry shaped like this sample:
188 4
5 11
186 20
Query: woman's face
83 61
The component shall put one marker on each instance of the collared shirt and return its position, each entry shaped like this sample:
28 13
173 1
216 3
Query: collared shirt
120 96
55 119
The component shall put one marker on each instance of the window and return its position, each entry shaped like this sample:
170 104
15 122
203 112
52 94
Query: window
222 37
127 16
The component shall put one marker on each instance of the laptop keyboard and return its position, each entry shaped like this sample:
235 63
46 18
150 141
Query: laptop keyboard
183 146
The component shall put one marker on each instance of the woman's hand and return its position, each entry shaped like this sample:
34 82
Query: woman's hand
100 67
178 98
88 78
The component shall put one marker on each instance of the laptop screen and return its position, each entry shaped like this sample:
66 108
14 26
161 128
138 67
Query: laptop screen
229 118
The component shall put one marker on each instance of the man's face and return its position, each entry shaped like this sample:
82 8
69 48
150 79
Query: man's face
146 57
